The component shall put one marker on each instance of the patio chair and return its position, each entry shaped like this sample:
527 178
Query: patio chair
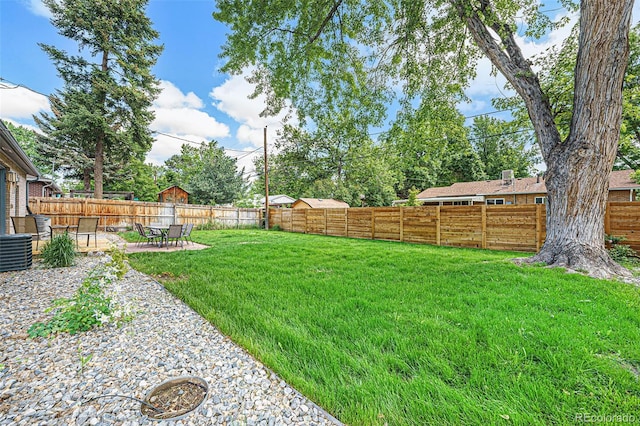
174 233
146 235
88 226
186 232
29 225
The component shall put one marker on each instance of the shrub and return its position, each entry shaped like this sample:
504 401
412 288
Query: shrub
90 306
59 252
622 253
118 261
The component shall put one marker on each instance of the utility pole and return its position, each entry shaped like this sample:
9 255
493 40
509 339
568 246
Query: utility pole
266 183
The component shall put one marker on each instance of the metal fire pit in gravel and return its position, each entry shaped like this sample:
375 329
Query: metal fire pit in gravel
175 398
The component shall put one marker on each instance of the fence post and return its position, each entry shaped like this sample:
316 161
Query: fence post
401 224
346 223
484 226
373 224
437 225
607 219
325 221
538 226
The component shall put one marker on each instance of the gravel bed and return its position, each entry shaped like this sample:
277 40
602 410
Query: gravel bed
43 381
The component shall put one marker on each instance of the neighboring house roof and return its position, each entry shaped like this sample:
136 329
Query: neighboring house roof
11 148
620 179
278 199
323 203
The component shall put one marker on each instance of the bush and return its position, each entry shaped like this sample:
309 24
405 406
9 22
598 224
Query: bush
622 253
90 306
59 252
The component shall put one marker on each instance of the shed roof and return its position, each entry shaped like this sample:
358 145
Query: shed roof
323 203
174 186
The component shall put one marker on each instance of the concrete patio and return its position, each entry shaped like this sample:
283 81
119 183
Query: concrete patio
106 240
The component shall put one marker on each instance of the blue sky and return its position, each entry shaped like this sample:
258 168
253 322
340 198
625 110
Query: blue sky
197 103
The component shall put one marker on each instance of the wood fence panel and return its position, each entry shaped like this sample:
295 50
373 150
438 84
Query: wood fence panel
461 226
360 223
120 214
286 216
316 221
337 222
419 224
386 223
511 227
624 221
299 220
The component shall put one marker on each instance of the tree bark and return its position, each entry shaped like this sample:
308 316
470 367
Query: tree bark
98 168
578 169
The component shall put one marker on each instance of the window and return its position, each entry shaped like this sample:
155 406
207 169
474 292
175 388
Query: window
541 200
494 201
461 203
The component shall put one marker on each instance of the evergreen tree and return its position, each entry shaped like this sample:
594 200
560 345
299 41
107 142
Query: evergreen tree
100 119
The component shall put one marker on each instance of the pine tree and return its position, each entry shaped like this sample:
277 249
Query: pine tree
100 119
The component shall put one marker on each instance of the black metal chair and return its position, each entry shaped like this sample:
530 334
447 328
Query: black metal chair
146 235
186 232
174 233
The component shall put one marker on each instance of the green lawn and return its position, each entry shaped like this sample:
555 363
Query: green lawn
379 332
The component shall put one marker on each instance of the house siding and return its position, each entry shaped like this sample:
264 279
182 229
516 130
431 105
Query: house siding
622 195
15 201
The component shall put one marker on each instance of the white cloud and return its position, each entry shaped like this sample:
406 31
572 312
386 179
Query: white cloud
19 103
38 8
233 98
181 118
172 97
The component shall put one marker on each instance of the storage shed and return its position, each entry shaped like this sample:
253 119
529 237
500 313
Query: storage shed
174 194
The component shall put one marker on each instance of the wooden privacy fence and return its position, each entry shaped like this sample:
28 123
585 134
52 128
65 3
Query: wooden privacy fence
119 214
509 227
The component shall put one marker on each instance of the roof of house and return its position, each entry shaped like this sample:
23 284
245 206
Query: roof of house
279 199
326 203
620 179
11 148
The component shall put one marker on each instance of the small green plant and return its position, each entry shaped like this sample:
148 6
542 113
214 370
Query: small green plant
84 360
622 253
59 252
118 261
90 306
613 239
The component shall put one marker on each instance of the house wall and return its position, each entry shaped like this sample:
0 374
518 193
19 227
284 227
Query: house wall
15 201
622 195
35 190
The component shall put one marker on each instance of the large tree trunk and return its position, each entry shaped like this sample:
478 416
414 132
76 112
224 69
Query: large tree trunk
98 168
578 168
